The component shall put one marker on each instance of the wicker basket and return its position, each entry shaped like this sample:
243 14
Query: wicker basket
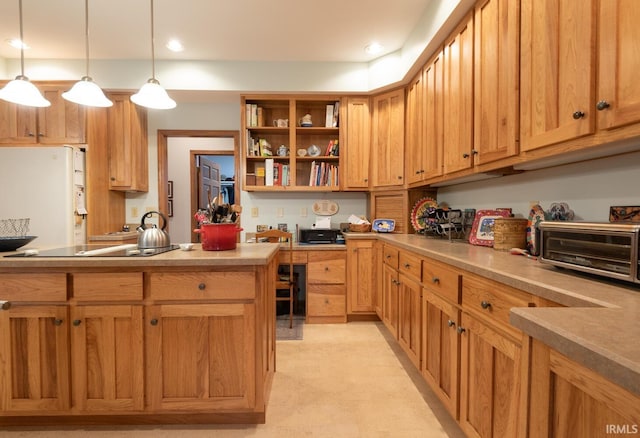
359 228
509 232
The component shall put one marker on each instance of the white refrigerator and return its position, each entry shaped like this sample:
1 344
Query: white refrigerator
45 184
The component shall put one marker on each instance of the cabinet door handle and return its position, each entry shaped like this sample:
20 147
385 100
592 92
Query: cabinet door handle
202 286
388 256
450 323
76 322
407 265
465 155
435 280
461 330
153 322
578 115
474 152
485 304
326 269
57 322
602 105
5 305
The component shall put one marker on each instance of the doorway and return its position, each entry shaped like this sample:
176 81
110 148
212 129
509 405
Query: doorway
193 144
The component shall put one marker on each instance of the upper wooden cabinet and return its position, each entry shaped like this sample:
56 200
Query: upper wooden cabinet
618 97
127 143
275 121
496 80
557 71
387 146
414 143
358 141
458 98
63 122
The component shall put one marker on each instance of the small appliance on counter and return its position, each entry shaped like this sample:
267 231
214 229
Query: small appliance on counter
320 236
606 249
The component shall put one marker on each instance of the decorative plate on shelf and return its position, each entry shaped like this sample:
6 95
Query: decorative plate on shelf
419 212
383 225
536 215
482 229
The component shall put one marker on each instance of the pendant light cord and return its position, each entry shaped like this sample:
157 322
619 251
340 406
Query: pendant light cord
153 54
21 42
86 33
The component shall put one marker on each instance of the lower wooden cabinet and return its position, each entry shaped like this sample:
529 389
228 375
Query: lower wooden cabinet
489 381
200 356
567 399
107 357
440 350
390 291
361 276
409 317
34 356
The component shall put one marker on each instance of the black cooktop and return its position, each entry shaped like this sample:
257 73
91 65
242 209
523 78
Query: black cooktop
102 251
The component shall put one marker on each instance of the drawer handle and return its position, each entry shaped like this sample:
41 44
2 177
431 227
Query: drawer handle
407 265
485 304
602 105
57 322
435 280
202 286
326 301
76 322
461 330
326 269
388 256
578 115
450 323
5 305
153 322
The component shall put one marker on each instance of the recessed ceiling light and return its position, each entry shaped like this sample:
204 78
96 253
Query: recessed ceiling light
374 48
16 43
175 46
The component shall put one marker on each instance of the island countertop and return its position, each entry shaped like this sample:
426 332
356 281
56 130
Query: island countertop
600 326
243 254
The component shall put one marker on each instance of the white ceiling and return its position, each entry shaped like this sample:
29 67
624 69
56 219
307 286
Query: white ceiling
237 30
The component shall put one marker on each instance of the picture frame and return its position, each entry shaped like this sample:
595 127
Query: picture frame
169 189
170 207
482 229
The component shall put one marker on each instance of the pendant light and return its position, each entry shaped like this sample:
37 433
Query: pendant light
85 91
21 90
151 94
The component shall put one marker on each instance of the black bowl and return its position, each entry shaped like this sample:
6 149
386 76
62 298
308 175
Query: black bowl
13 243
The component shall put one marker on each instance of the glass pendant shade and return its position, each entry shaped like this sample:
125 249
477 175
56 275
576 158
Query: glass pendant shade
152 95
23 92
88 93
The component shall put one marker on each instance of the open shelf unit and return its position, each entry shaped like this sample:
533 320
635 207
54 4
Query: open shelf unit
292 171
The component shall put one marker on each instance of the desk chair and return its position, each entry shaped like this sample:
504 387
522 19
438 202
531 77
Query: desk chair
284 282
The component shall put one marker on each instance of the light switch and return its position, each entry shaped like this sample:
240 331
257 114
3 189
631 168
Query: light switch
303 212
280 212
254 211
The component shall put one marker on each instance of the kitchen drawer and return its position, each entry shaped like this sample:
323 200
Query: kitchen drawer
33 287
202 285
493 301
441 279
299 257
107 286
390 256
326 303
410 264
326 267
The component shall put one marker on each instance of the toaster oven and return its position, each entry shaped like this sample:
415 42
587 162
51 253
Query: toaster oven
607 249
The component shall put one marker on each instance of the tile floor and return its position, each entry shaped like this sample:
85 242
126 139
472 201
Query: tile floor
342 380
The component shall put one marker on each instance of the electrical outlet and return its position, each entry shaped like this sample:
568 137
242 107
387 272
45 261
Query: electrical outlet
134 211
254 211
280 212
303 212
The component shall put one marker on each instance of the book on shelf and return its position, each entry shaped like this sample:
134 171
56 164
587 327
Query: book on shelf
277 174
336 114
328 120
332 148
268 172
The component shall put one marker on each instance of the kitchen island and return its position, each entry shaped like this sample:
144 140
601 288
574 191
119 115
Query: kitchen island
179 337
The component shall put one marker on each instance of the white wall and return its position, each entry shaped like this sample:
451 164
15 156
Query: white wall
589 188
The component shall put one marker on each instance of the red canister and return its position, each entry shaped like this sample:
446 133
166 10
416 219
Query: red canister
218 237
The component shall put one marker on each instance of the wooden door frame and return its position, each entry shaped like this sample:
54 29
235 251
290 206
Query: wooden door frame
163 162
